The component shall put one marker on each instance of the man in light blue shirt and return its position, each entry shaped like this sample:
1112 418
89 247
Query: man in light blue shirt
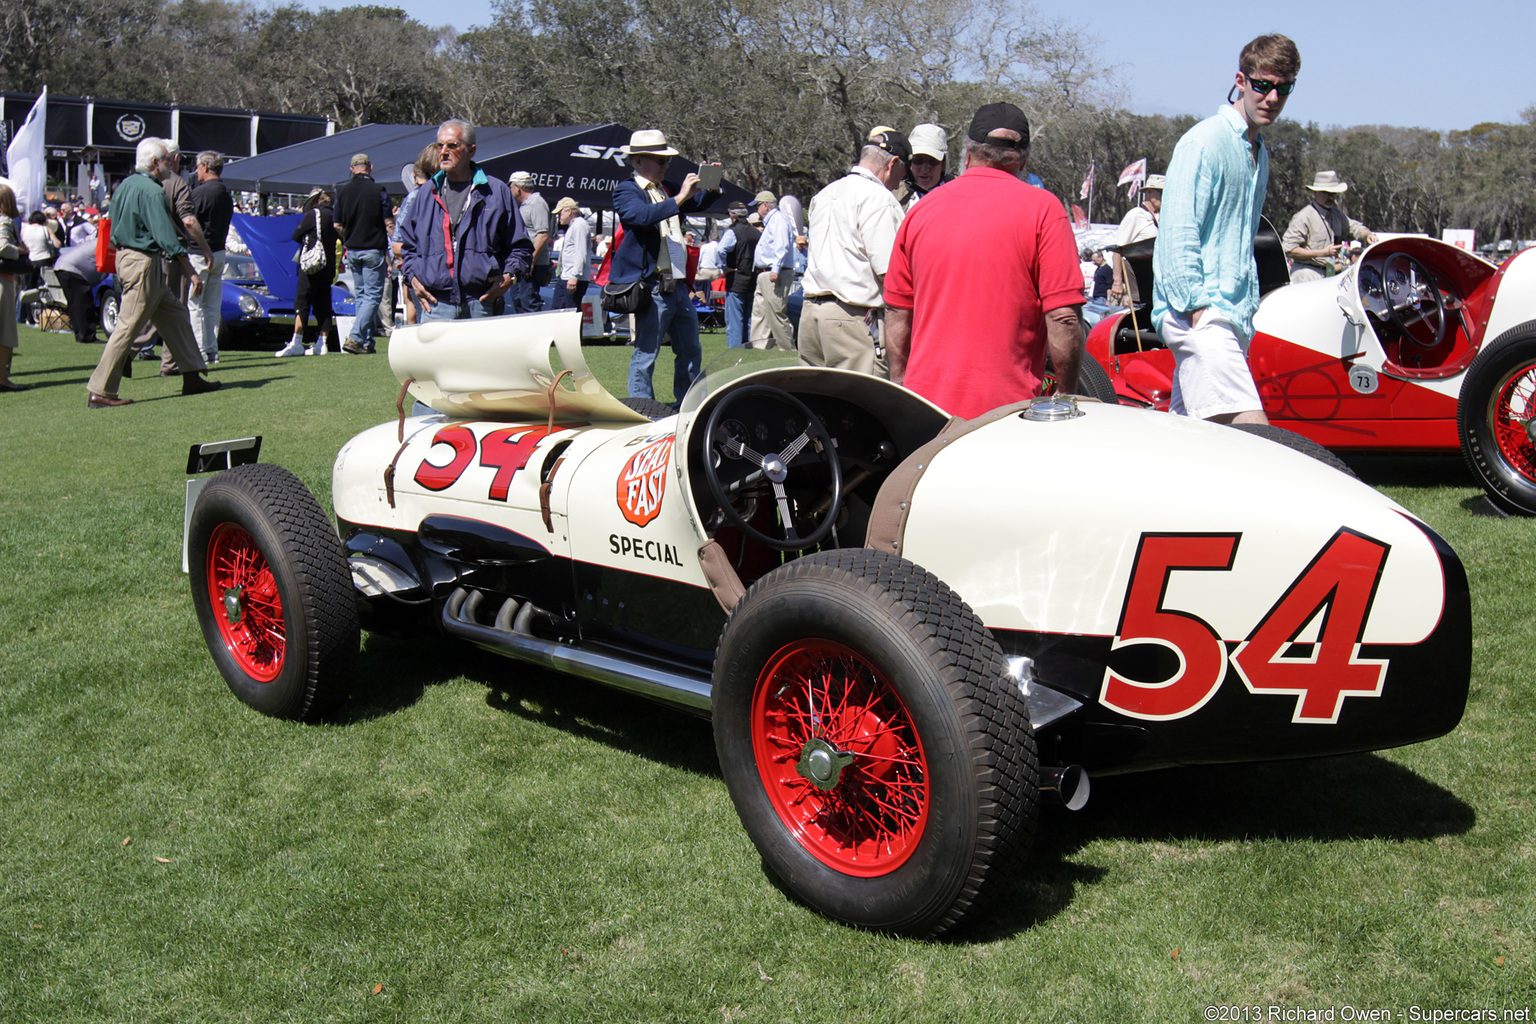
1206 284
774 262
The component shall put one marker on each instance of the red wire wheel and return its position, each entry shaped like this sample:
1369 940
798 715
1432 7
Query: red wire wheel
1496 418
877 752
1514 405
273 592
249 610
840 758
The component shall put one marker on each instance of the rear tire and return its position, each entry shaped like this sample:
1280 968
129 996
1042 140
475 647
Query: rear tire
273 592
1094 381
877 752
1296 443
1498 399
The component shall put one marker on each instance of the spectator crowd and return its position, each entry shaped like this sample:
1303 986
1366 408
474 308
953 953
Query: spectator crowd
963 281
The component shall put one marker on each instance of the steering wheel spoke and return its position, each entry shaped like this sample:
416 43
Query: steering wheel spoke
1414 301
726 431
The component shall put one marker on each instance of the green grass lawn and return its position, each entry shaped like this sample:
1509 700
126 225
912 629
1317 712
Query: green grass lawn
472 840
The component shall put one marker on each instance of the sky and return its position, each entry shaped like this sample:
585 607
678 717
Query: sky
1409 63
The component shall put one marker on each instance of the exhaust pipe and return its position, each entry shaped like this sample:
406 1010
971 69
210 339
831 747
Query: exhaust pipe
1067 785
512 635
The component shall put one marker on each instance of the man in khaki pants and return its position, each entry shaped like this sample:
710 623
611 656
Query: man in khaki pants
853 224
145 237
774 261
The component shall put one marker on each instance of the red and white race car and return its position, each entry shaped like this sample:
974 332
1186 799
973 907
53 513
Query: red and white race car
1418 347
904 627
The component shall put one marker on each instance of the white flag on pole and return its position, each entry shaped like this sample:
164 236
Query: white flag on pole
24 157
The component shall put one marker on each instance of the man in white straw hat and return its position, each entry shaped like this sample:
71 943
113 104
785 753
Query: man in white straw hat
1138 225
653 256
1313 241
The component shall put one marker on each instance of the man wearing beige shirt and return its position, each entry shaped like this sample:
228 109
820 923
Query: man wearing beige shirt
853 224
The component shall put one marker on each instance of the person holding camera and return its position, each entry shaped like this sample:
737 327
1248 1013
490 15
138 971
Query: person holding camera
653 259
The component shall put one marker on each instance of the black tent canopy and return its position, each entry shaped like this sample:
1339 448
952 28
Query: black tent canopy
580 161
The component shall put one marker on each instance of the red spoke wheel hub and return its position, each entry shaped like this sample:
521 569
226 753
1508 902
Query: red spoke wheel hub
1514 406
249 610
840 758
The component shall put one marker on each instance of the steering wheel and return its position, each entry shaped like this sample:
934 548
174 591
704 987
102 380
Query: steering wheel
727 439
1413 299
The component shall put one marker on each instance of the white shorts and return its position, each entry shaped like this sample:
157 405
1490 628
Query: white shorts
1210 375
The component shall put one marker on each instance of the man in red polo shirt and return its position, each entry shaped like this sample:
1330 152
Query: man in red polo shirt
984 278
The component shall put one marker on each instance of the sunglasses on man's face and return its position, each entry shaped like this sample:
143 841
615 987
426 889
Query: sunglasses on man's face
1263 85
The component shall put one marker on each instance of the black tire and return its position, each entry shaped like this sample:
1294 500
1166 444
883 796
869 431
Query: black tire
650 408
1094 381
261 550
1297 443
922 666
1498 389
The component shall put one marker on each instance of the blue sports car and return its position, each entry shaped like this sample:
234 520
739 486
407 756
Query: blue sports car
256 307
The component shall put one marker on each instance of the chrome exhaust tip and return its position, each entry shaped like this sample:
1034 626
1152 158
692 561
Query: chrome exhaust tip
1067 785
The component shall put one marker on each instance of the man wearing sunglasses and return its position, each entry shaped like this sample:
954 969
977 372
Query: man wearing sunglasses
1206 283
463 244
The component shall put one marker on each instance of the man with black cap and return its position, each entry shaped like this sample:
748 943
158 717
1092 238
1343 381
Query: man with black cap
986 232
735 255
852 228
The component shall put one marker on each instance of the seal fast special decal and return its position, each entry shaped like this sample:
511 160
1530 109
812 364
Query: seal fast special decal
643 481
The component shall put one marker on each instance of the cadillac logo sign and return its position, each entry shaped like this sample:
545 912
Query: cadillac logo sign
130 127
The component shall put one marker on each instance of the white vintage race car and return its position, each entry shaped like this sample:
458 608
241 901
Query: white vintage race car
904 627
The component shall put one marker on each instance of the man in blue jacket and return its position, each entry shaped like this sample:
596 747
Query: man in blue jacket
652 253
489 248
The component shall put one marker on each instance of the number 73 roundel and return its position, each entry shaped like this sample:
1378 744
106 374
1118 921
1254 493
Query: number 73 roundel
1334 591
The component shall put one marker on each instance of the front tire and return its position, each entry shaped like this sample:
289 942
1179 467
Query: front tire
273 592
1494 418
876 750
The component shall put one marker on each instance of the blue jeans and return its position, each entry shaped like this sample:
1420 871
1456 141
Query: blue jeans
669 313
525 293
738 310
566 299
469 309
368 271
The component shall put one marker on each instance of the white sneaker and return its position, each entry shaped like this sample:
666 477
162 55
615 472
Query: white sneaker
318 348
295 347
